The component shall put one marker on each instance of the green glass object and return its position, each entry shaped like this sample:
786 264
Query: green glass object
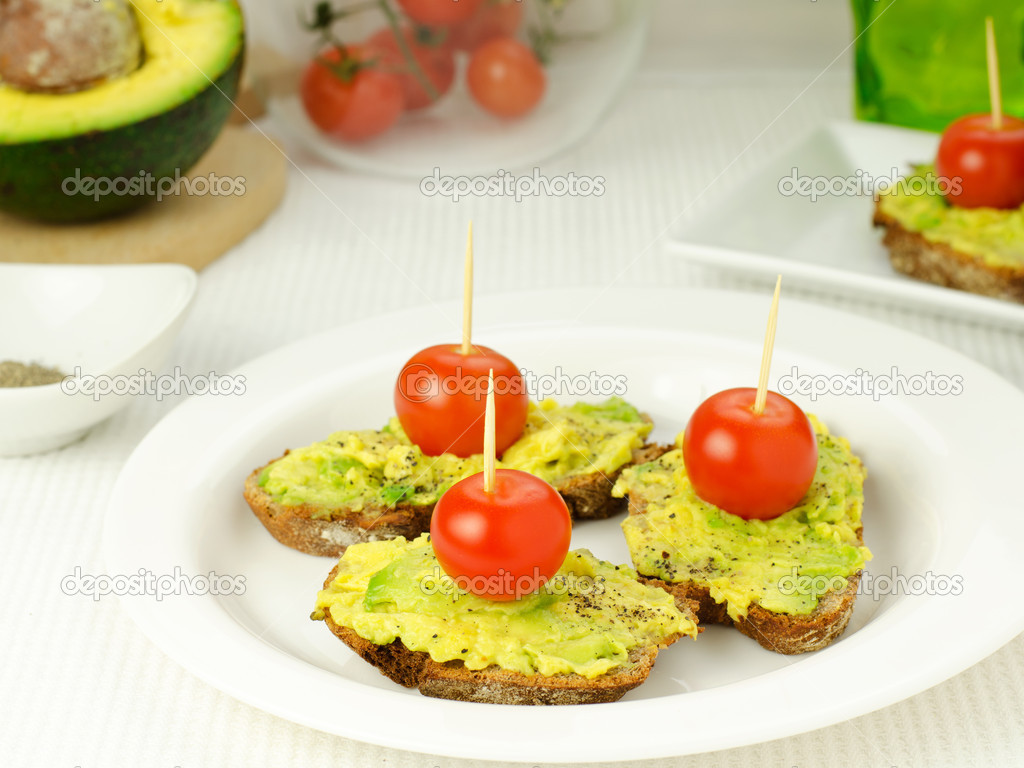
921 63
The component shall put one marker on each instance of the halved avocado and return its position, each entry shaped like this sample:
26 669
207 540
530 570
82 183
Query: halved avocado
152 124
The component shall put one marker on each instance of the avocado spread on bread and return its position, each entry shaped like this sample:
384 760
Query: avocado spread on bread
994 236
784 564
585 620
382 468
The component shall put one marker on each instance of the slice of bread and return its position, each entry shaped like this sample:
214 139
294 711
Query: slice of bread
915 255
779 632
493 685
327 533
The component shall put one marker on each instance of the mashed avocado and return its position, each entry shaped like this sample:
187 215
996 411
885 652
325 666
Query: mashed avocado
584 621
784 564
994 236
382 468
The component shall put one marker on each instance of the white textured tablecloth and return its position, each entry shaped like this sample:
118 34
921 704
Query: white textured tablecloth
79 683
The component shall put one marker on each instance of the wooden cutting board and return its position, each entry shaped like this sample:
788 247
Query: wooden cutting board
191 230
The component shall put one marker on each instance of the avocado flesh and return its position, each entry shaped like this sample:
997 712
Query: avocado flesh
158 120
784 565
584 621
370 468
993 236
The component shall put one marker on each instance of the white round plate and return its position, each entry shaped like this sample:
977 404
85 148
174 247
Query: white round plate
942 516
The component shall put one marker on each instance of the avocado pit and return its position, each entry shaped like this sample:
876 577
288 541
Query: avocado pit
64 46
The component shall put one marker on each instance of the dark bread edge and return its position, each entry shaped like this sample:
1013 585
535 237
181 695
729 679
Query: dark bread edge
912 254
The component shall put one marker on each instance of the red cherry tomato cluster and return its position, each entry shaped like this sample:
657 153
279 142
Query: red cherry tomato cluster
356 92
988 163
504 544
753 465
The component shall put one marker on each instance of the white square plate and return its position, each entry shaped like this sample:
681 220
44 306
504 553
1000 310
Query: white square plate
762 226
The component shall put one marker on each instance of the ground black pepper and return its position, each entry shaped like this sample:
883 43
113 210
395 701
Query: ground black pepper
15 374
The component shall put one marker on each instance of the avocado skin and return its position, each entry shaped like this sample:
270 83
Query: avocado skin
32 174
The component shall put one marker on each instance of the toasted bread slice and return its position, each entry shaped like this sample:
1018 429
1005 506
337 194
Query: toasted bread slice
493 685
915 255
328 532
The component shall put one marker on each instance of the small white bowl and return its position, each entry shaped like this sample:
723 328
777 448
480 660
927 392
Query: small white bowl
102 321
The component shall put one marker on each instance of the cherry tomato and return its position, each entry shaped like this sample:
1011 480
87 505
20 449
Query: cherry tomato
353 104
989 163
505 77
441 396
439 13
754 466
493 19
436 62
504 544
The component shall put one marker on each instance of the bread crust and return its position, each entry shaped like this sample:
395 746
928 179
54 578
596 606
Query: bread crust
493 685
780 632
588 497
913 254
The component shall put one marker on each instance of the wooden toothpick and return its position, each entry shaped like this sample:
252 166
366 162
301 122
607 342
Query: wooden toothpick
467 295
489 457
994 94
766 355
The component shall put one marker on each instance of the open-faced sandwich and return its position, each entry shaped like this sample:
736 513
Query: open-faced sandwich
590 634
931 238
370 485
961 223
789 582
491 605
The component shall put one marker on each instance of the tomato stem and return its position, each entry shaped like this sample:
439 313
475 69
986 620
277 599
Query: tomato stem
324 15
403 46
